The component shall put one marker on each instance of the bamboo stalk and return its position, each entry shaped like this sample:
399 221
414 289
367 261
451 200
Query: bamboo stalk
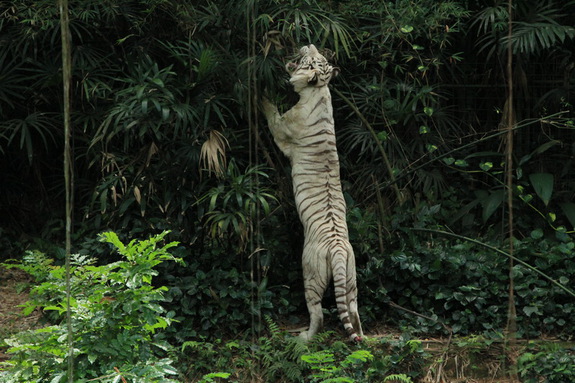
68 176
511 327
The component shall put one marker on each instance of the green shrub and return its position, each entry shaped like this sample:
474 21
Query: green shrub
403 357
215 293
326 369
551 365
272 358
465 286
378 360
115 315
283 357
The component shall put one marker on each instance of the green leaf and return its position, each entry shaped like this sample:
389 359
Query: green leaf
398 378
382 136
361 355
428 110
60 309
537 234
449 161
529 310
461 163
551 216
569 211
492 203
486 166
58 377
406 29
212 375
158 82
543 185
526 198
318 357
423 129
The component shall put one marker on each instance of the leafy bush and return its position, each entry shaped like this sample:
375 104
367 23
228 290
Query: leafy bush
273 358
553 365
465 286
115 314
326 369
401 357
215 295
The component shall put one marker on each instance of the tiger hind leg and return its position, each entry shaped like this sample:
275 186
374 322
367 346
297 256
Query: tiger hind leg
315 286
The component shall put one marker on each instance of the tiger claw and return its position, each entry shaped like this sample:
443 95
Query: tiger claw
357 339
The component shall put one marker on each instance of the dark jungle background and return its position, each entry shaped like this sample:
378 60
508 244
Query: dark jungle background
167 136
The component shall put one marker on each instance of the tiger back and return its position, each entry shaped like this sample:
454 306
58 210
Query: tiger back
306 135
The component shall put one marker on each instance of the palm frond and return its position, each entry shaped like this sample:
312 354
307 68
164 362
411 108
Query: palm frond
532 38
303 20
213 154
27 131
536 27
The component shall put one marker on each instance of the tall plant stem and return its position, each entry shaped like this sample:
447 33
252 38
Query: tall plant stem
511 330
377 141
68 176
252 113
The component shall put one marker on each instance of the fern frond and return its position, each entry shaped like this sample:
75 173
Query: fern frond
275 330
398 378
296 348
323 336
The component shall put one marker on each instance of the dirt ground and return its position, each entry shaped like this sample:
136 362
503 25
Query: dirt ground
11 319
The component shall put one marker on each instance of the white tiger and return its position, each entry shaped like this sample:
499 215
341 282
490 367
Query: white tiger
305 134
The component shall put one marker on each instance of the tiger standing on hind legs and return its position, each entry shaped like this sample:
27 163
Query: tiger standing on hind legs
306 135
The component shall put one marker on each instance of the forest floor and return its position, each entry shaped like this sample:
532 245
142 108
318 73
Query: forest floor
11 297
456 361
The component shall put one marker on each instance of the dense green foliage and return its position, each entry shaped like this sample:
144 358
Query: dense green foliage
552 364
121 323
116 318
465 287
281 357
167 136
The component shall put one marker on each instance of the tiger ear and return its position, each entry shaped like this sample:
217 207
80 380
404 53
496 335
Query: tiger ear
334 72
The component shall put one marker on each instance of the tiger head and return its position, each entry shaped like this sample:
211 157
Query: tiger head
313 70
